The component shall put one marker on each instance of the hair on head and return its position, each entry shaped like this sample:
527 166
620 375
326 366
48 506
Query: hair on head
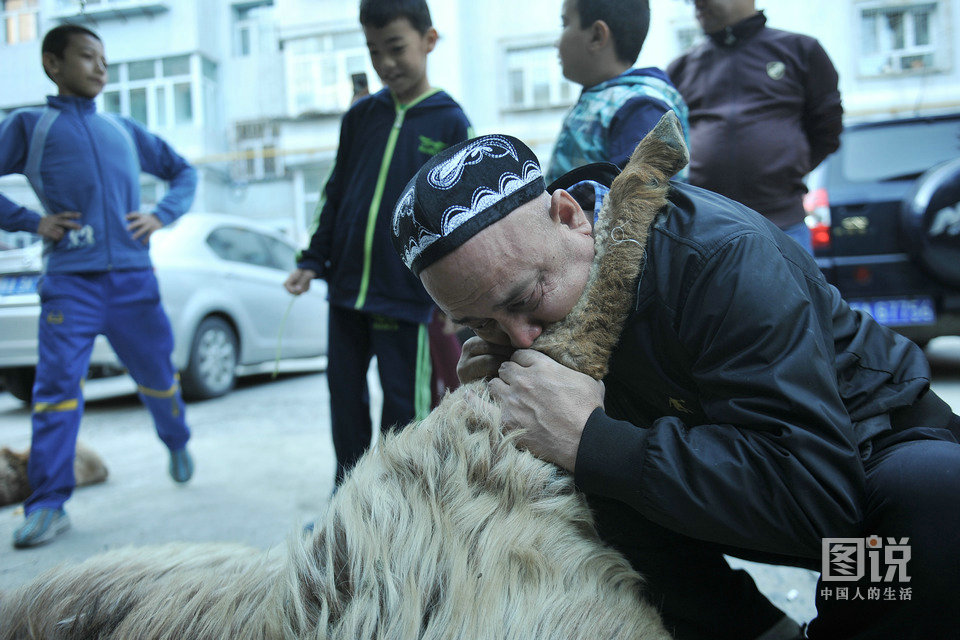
380 13
58 38
629 21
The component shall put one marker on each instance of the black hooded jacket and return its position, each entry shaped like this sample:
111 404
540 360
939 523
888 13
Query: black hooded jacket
744 391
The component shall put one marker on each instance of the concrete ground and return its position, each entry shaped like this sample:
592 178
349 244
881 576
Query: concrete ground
264 466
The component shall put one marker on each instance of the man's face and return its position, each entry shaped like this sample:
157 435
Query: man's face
399 56
83 69
520 274
572 45
714 15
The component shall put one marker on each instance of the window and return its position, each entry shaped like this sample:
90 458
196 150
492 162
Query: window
319 70
19 20
283 255
535 79
257 143
901 38
253 31
161 93
240 245
895 151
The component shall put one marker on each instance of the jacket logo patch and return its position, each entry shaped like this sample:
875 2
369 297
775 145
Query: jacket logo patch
55 317
679 405
776 69
77 238
431 147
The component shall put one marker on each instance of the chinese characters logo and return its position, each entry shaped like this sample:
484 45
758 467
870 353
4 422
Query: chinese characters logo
877 559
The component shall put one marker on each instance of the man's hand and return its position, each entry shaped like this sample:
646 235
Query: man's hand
299 281
53 227
481 360
550 402
142 225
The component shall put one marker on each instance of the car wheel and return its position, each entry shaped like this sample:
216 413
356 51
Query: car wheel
19 383
930 215
212 369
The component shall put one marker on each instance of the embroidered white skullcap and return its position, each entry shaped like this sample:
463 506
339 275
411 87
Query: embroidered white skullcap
459 192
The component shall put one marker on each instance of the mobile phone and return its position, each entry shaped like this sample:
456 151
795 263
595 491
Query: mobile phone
359 82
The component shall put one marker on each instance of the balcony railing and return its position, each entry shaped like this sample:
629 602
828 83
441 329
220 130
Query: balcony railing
103 10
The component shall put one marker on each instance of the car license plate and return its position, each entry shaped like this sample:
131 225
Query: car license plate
898 312
18 285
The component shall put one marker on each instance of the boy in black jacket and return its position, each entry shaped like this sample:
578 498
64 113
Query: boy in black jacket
377 307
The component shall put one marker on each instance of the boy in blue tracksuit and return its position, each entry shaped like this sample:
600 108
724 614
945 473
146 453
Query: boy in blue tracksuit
97 276
377 307
619 105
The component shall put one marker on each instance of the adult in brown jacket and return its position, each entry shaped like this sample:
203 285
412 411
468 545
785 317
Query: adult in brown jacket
764 111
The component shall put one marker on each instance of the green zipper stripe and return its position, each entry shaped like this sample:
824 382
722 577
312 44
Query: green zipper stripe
423 393
378 192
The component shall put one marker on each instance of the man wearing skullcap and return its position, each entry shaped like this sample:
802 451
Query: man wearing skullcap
748 410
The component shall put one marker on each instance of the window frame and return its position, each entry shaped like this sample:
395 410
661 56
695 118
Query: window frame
542 63
890 59
12 19
310 59
162 89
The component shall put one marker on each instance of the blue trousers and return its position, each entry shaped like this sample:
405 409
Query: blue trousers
403 362
913 491
74 308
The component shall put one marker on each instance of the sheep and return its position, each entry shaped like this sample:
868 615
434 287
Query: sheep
88 468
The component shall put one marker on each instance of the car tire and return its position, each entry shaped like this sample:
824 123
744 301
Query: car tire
212 369
19 383
930 215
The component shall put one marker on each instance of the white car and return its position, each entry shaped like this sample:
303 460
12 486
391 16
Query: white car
221 282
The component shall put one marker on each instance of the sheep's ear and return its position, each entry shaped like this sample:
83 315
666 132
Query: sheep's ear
663 147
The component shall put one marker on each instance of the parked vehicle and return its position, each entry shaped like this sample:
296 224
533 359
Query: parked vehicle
885 219
221 281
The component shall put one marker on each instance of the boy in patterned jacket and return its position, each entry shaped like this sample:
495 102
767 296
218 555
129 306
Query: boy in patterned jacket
599 44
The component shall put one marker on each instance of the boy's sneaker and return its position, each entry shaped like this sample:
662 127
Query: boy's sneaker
43 525
181 465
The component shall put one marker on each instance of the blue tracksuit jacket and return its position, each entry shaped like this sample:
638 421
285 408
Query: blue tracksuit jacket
79 160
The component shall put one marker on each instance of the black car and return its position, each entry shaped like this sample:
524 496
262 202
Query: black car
885 215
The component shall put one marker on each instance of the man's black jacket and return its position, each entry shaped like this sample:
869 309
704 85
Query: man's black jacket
744 390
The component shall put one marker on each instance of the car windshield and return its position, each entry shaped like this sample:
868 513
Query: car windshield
898 151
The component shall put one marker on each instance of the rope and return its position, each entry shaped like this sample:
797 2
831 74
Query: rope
283 323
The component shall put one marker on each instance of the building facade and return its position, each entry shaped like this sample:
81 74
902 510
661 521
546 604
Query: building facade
252 91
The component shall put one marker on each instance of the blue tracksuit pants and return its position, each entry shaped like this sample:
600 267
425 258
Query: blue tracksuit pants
74 308
403 361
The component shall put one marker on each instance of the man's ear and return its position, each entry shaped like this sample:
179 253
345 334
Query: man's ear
565 210
599 35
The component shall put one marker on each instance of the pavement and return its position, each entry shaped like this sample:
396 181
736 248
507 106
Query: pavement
264 467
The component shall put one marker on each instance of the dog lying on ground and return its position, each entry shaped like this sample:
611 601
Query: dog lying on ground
444 530
88 468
